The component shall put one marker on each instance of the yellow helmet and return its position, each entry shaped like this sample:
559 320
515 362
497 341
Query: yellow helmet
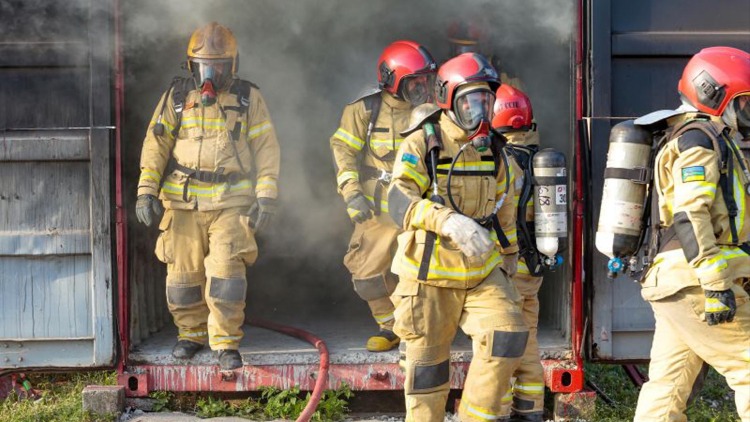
212 51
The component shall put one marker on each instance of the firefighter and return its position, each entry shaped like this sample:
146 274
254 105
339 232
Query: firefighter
513 118
702 239
364 147
450 258
212 158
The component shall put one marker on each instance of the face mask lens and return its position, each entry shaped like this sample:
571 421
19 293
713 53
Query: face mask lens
416 89
472 108
214 70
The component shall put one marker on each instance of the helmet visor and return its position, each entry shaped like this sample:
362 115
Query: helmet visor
417 89
473 107
218 71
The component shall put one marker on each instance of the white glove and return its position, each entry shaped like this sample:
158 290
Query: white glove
471 238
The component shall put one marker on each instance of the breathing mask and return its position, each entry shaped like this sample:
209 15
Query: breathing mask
210 75
737 115
416 89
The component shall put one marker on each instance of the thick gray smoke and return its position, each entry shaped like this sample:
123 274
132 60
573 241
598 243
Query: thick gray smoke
311 58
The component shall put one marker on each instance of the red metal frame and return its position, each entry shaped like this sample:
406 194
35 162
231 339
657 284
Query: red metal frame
565 376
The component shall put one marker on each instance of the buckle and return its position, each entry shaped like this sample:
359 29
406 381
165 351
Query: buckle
384 176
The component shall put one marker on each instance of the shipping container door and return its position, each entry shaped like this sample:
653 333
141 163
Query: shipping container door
639 48
55 128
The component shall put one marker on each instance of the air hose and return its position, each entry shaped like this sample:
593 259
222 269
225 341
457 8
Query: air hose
322 378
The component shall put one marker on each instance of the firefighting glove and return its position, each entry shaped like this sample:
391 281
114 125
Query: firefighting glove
147 208
720 306
471 238
261 213
359 208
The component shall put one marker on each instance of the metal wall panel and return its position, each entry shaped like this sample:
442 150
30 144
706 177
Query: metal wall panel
638 51
56 278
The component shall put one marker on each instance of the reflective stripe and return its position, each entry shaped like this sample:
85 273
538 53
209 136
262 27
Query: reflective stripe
209 191
728 253
458 274
422 181
352 211
512 236
470 166
715 305
193 335
259 129
700 188
521 267
482 413
167 126
349 139
383 203
739 197
386 143
529 388
265 182
712 265
419 212
147 174
508 397
746 356
345 176
215 341
384 318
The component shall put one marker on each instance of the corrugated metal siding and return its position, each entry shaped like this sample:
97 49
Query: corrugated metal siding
639 49
56 278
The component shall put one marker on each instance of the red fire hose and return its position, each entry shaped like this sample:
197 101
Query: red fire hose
321 380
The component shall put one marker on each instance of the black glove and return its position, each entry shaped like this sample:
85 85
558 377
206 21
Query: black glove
262 212
359 208
720 306
147 208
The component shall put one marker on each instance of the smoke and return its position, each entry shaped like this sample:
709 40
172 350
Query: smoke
310 59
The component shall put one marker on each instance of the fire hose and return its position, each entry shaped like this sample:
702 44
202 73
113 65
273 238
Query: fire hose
322 378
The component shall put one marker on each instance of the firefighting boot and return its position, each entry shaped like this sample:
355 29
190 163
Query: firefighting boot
185 349
527 417
384 341
229 359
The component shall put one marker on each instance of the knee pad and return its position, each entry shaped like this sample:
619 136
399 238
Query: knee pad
427 368
377 287
184 289
228 289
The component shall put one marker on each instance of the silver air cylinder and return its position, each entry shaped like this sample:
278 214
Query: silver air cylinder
626 180
550 202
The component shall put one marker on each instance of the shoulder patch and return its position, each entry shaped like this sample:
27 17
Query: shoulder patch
409 159
694 138
693 174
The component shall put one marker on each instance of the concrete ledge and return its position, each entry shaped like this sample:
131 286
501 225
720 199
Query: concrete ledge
104 399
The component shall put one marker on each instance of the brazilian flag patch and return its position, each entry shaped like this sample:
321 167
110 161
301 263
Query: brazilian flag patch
409 159
694 174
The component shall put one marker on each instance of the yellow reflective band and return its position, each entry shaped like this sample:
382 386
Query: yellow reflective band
352 211
700 189
529 388
167 126
383 318
147 174
456 274
195 334
383 203
391 144
265 182
470 166
209 191
739 197
419 212
259 129
224 340
715 305
712 265
521 267
732 252
349 139
508 397
482 413
746 356
512 235
421 181
345 176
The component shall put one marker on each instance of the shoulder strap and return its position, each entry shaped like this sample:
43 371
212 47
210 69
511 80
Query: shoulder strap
372 104
180 89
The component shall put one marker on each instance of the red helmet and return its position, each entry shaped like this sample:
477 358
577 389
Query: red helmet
713 77
461 70
512 110
400 60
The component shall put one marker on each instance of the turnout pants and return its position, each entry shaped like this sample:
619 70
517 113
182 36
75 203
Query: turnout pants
682 342
207 253
427 318
368 259
528 389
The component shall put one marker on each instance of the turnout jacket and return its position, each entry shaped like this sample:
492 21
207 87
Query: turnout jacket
690 198
204 143
358 165
476 192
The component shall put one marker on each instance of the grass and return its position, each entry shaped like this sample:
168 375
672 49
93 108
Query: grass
714 404
60 398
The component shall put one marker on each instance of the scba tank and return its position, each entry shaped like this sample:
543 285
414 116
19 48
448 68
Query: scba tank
550 204
626 179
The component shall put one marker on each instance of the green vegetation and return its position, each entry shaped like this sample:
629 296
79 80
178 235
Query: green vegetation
60 398
714 404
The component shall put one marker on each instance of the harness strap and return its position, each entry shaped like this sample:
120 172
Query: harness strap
383 179
429 246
